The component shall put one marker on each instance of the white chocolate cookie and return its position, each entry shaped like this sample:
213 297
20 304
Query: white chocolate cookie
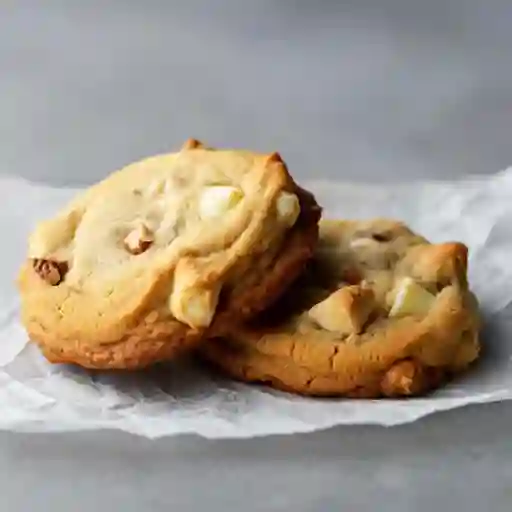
380 312
163 253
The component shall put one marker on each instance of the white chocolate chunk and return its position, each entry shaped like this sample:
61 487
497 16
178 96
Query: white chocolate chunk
411 299
359 243
288 208
345 311
217 200
156 188
167 230
192 301
194 307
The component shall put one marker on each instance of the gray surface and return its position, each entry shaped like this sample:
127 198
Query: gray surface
362 89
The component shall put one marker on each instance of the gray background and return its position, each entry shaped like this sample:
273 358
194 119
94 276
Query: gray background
366 90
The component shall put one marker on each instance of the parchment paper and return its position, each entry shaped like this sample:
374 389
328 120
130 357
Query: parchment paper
183 398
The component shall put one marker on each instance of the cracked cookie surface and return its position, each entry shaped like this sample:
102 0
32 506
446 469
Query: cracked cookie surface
163 253
379 312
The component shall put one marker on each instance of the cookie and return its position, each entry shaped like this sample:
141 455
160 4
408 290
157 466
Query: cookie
379 312
163 253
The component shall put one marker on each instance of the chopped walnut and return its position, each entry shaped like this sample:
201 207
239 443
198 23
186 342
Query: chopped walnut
404 378
193 144
139 239
351 275
52 272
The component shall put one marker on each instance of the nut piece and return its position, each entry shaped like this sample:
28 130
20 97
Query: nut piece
288 208
405 378
52 272
275 157
345 311
217 200
351 275
411 299
139 239
192 144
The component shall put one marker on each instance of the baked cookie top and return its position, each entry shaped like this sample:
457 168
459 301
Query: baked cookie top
375 293
169 234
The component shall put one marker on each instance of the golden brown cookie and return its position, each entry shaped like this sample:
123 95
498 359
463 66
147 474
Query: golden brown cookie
163 253
379 312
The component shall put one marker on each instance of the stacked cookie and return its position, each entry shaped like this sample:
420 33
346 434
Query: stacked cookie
221 253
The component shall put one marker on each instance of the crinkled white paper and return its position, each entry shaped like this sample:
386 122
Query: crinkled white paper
36 396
